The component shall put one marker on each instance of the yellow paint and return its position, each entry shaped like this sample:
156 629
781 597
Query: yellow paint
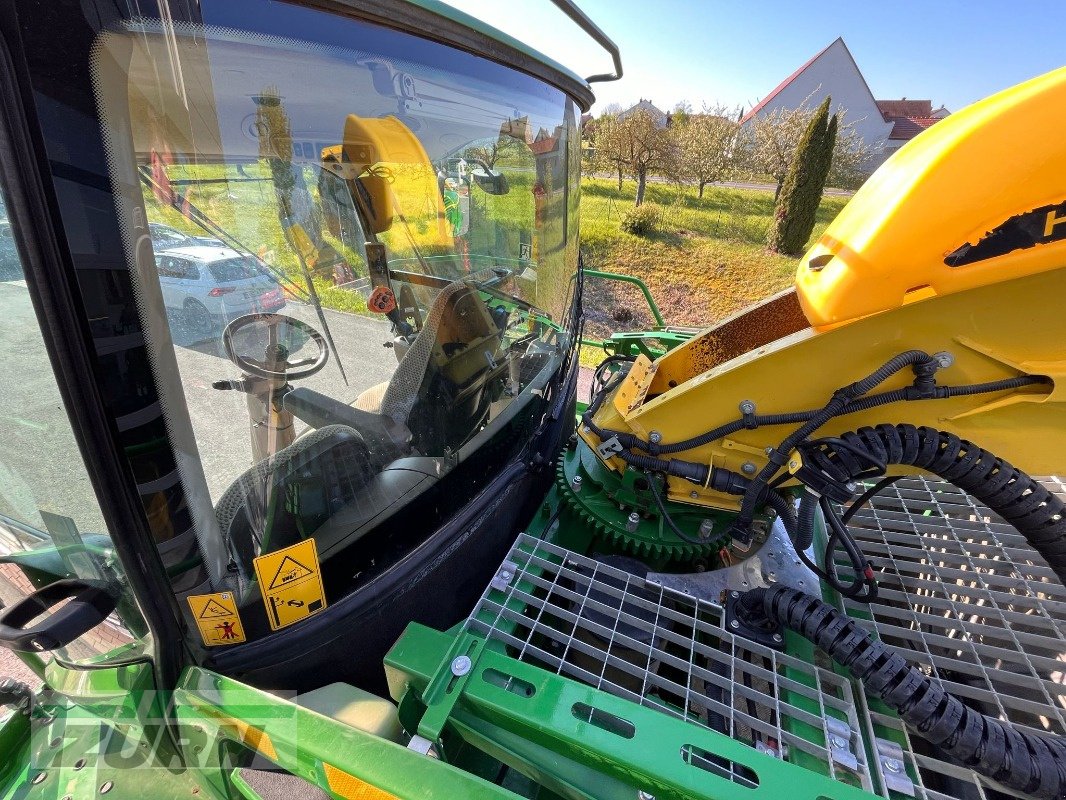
950 186
291 583
350 787
994 332
1052 221
217 618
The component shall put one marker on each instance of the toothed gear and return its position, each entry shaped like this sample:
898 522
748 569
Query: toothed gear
598 508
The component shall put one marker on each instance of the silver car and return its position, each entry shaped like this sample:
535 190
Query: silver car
208 285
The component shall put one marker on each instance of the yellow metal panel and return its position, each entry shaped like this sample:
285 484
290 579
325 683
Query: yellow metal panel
993 332
963 178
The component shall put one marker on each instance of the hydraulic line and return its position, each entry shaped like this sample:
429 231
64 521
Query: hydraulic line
1027 762
1035 512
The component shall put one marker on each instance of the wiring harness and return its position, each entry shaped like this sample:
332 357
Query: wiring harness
1027 762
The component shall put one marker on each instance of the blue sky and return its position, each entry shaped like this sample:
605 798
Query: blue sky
948 51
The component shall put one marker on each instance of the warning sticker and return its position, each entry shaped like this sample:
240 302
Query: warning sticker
291 583
217 618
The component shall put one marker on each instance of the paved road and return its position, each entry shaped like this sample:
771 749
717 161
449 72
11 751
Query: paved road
753 185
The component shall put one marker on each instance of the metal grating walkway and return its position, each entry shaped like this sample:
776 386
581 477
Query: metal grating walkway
662 649
962 595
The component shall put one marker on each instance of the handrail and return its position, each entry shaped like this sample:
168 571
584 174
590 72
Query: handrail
613 276
582 20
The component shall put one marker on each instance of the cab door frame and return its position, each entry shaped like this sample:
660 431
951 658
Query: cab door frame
56 298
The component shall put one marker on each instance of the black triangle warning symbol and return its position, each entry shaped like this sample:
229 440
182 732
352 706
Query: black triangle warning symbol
215 609
288 571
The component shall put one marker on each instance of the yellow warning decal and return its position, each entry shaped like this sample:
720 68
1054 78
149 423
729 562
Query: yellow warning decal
291 583
217 618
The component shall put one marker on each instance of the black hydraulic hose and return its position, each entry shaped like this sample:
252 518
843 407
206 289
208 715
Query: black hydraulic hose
1038 514
1030 763
680 534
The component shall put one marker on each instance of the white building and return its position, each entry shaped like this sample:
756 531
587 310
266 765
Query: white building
834 72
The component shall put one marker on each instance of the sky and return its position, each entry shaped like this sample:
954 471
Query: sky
734 53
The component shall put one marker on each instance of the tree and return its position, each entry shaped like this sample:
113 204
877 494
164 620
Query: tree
801 193
705 146
768 142
636 145
767 146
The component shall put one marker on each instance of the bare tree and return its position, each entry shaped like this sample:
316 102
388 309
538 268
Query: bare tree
767 146
768 142
853 158
608 147
706 145
637 145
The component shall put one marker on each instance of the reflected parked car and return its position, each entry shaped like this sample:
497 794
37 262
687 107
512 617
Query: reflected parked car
209 285
166 238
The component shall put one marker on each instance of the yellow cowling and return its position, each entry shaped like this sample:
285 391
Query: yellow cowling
954 246
993 173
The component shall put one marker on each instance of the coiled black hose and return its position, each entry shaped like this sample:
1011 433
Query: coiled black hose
1034 511
1030 763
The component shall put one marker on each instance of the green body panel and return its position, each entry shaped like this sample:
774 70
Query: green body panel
233 720
649 760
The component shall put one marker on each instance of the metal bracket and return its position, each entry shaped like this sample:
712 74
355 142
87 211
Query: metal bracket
447 686
894 767
504 575
607 449
841 738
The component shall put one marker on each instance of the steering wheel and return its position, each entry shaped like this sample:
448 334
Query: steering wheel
275 362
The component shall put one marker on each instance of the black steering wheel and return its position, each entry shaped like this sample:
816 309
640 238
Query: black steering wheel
275 362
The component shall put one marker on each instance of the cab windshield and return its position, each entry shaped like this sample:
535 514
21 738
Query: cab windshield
369 246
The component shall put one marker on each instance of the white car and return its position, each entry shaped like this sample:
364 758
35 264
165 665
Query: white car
208 285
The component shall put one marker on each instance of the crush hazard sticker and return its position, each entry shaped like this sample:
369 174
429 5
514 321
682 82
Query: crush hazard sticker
217 618
291 583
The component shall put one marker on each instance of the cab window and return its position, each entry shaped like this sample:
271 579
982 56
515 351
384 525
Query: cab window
397 239
51 527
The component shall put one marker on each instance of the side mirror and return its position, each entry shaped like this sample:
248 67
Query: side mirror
490 181
90 604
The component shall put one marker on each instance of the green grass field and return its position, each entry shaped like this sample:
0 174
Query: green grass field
707 260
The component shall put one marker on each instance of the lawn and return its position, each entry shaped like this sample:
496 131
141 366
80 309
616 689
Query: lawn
707 260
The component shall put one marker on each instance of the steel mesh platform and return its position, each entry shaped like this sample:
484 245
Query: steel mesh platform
612 630
962 595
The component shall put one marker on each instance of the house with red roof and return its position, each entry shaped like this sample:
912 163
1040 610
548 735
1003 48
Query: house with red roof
885 125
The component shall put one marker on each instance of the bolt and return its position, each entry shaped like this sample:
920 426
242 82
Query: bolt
893 765
706 526
837 741
748 468
793 464
586 429
944 359
642 795
747 407
461 665
771 577
777 638
734 624
633 522
575 484
505 574
734 594
655 437
769 451
693 494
